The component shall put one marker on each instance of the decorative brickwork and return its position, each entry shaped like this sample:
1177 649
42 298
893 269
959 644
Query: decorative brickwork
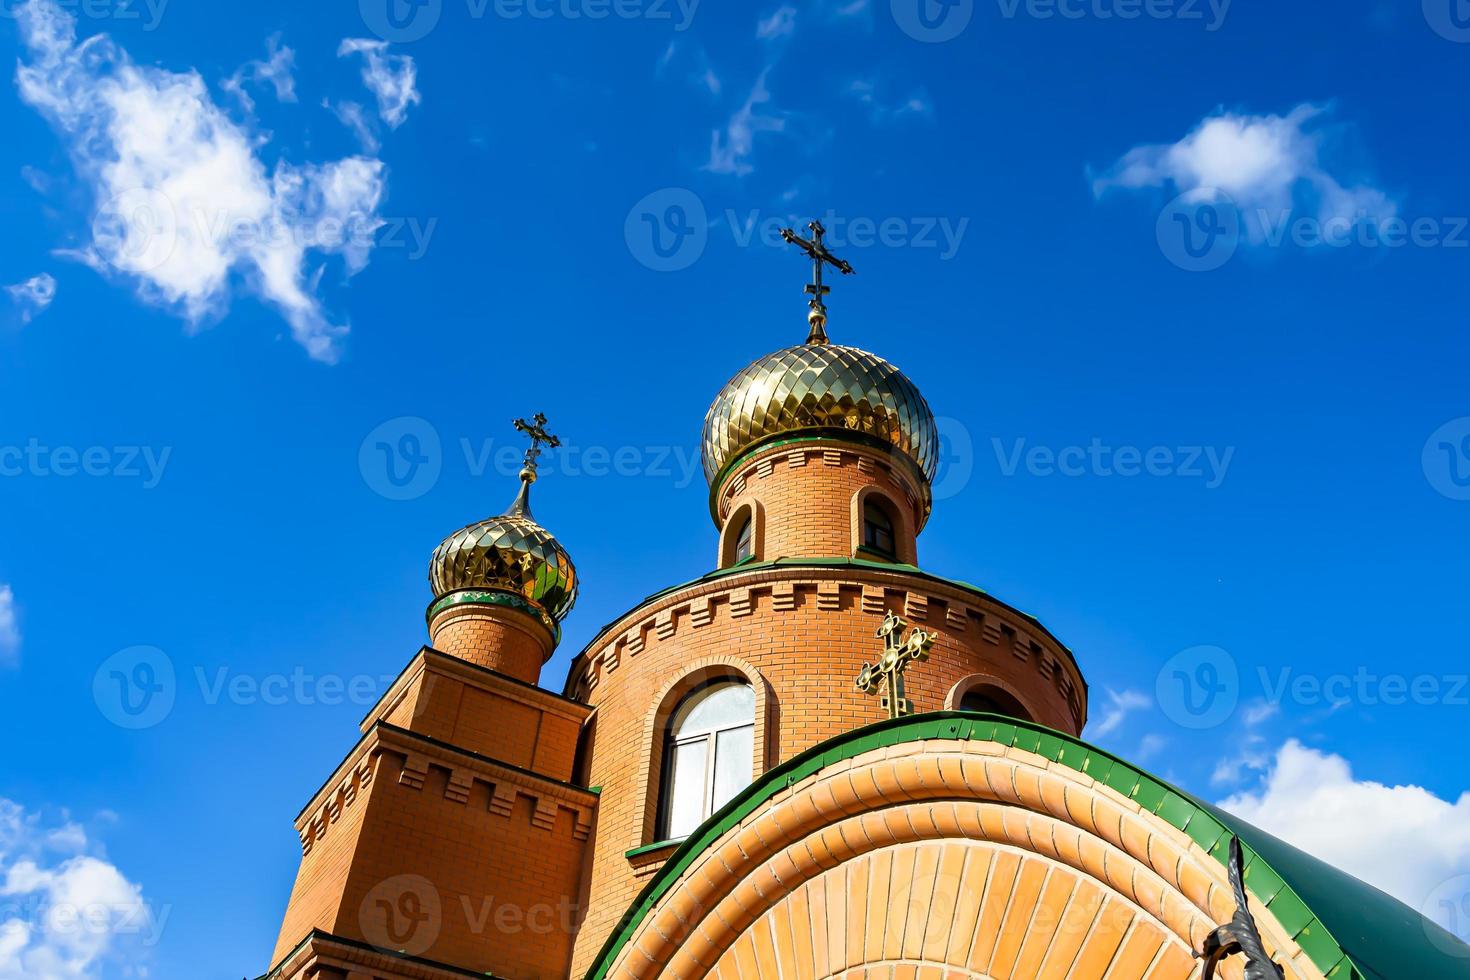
495 637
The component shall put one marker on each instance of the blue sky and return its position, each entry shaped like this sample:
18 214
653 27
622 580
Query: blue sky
1185 289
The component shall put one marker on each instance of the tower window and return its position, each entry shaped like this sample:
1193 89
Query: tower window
745 541
708 754
877 530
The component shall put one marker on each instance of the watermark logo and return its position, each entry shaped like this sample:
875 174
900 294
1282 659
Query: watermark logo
1449 906
403 914
1208 464
401 21
932 21
956 458
667 230
137 230
1450 19
1199 231
135 688
40 461
1446 459
150 12
1199 687
402 458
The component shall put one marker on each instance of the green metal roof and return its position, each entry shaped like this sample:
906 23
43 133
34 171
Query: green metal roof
1349 929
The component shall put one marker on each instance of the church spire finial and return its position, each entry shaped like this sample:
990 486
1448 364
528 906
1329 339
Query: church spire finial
815 289
536 431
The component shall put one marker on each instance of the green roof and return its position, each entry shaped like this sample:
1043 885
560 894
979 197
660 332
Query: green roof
1349 929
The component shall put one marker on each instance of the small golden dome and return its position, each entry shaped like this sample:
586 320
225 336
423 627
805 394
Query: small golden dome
820 388
510 554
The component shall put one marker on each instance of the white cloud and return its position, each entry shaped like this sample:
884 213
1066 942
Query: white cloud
183 200
730 152
9 626
275 71
352 115
883 111
64 913
391 78
1267 165
30 298
1402 839
781 23
1120 705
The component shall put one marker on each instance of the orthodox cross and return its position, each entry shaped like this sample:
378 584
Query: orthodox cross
898 652
536 430
815 289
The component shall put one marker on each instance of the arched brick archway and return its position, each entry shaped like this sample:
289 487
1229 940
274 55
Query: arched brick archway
966 854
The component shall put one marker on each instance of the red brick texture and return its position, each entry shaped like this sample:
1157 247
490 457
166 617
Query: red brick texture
496 637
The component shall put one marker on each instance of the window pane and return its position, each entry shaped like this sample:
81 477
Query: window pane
685 790
720 706
743 541
733 758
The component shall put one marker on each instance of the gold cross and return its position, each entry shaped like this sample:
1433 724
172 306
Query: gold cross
536 429
816 290
898 652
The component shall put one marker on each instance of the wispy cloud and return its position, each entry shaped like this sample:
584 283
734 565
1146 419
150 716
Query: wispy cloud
730 150
700 73
1403 839
1120 705
176 181
781 23
1265 164
883 110
276 71
392 78
9 626
30 298
354 117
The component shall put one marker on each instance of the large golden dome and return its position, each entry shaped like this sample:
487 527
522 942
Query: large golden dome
819 388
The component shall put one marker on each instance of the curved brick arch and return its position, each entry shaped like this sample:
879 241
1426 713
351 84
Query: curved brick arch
952 792
954 908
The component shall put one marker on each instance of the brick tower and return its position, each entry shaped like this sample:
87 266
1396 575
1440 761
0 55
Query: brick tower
450 840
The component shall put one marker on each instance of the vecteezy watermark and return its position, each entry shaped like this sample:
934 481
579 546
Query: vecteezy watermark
956 464
932 21
669 229
1448 905
138 688
1209 13
402 21
140 230
1199 687
403 458
1450 19
407 913
149 12
1199 231
37 460
83 923
1208 464
1446 459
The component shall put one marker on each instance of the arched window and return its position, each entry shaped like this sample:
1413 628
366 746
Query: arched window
993 701
708 755
745 541
877 529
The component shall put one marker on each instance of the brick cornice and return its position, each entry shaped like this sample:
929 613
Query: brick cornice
475 676
419 752
694 606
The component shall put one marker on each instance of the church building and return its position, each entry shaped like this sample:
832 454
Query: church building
816 761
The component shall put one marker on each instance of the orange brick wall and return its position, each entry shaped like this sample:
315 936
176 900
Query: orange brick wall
806 495
495 637
807 633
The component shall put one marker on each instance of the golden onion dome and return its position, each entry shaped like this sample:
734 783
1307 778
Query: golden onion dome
509 555
819 388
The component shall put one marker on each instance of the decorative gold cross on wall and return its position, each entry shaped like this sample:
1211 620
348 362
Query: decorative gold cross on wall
898 652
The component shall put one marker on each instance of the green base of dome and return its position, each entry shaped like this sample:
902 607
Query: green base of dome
508 600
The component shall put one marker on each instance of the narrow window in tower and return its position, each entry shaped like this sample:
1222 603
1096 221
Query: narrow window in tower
877 530
708 753
744 543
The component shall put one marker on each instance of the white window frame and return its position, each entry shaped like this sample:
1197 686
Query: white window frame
710 736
